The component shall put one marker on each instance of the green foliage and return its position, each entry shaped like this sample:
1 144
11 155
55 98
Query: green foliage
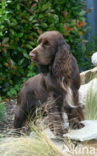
21 23
2 110
91 47
85 52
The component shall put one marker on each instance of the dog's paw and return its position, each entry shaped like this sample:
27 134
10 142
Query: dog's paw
60 132
76 125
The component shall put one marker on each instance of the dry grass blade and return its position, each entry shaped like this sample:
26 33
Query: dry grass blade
91 105
40 145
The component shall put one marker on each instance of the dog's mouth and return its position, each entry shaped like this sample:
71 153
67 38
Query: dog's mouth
33 59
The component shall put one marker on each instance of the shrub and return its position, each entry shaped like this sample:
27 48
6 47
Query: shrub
86 50
21 23
2 110
91 47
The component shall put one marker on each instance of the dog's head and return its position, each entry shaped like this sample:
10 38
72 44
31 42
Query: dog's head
51 50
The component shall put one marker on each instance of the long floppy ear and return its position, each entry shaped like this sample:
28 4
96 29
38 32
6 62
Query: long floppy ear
62 66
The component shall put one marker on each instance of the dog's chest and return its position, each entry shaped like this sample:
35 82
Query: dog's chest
53 86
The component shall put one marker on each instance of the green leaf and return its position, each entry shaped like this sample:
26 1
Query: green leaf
46 6
41 16
20 35
82 13
26 55
21 61
28 46
1 34
43 25
18 7
61 28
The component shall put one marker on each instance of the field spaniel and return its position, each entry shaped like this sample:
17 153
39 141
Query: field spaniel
58 81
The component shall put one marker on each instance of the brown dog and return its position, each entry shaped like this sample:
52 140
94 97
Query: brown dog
59 79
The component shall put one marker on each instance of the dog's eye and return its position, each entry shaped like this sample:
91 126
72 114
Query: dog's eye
46 43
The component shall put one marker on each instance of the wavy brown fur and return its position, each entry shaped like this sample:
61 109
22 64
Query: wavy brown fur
59 81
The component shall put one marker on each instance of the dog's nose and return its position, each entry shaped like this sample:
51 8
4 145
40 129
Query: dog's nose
31 54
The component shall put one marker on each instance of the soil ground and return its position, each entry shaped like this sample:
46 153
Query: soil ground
7 126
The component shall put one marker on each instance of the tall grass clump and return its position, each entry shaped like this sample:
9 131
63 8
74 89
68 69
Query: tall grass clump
39 145
91 103
2 110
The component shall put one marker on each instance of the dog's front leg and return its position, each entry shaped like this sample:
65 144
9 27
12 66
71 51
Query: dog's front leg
55 115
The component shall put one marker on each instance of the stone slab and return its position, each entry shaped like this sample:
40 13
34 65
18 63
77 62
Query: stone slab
89 132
